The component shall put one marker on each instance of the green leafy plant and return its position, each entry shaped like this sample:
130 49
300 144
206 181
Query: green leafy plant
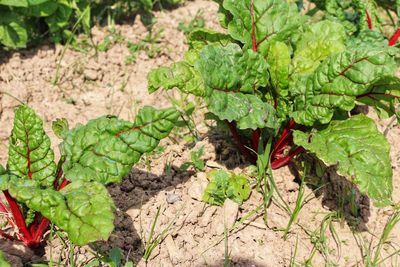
72 194
225 185
25 22
195 160
197 22
295 78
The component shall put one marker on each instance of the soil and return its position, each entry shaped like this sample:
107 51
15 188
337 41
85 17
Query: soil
92 84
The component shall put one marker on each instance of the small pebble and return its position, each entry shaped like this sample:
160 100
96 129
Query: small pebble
172 198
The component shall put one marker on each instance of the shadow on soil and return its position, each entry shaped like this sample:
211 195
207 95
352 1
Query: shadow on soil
135 190
339 194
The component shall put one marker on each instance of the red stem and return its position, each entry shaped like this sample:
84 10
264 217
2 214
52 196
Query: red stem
255 139
19 218
278 163
244 150
64 183
283 139
44 223
34 224
394 38
41 229
369 20
3 208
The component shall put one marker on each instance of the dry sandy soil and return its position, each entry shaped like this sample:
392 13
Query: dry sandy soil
91 85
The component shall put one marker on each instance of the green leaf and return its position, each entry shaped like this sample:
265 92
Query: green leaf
318 42
115 257
200 38
339 80
269 20
3 261
224 16
239 189
13 31
2 170
279 61
30 154
231 78
383 96
358 150
60 19
105 149
84 210
22 3
225 185
195 157
179 75
39 8
215 193
60 127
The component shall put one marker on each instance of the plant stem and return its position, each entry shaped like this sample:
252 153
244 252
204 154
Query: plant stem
369 20
19 218
41 229
243 149
394 38
255 139
64 183
278 163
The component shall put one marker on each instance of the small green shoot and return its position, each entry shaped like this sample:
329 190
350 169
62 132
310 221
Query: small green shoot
225 185
299 202
197 22
155 240
150 45
195 160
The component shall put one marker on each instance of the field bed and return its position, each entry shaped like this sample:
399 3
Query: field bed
91 84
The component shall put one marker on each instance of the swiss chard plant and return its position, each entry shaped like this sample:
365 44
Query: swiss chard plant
278 75
72 194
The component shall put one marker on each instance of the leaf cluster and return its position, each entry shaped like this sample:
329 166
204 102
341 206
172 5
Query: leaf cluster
26 22
278 73
72 194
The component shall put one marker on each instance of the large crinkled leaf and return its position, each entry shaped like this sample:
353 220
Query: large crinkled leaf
183 75
339 80
30 154
105 149
231 78
318 42
179 75
359 151
39 8
17 3
249 111
200 38
279 61
224 16
13 31
383 96
84 210
262 21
